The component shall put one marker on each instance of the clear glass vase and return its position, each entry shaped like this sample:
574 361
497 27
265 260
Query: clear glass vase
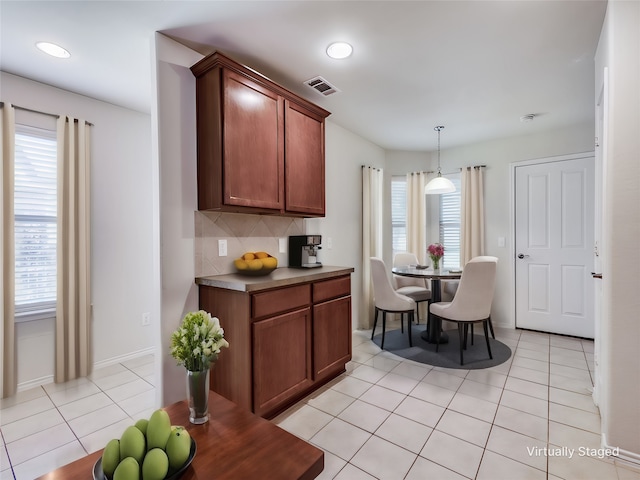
198 395
436 265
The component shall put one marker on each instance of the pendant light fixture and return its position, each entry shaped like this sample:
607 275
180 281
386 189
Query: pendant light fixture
439 184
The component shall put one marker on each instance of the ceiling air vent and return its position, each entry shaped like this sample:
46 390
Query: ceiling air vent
321 86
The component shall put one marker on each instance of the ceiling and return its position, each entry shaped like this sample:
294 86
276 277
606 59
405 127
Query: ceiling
473 66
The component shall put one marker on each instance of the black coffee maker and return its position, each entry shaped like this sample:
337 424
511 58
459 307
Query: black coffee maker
303 251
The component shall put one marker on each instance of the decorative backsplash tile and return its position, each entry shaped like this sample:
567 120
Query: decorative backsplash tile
243 233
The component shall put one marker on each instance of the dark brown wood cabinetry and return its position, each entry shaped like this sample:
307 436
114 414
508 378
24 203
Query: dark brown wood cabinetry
260 147
331 334
284 342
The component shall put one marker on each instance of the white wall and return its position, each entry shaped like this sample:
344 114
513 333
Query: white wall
121 229
345 154
619 351
497 156
176 157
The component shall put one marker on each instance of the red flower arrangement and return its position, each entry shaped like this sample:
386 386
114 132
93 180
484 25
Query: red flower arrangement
436 252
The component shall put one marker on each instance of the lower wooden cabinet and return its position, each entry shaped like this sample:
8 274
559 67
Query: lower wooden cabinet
331 336
281 359
284 342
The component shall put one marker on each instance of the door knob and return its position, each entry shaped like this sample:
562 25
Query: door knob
522 255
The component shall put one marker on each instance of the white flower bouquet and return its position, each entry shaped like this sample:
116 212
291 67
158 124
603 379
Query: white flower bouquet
198 340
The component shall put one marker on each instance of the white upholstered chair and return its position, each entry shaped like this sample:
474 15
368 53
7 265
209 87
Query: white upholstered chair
387 300
415 288
472 302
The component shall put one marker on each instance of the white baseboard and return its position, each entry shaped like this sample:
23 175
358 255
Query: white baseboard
124 358
624 457
36 382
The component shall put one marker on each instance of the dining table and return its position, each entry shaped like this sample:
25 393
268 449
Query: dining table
435 276
234 444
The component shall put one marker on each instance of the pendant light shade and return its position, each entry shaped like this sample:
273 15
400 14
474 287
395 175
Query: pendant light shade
439 184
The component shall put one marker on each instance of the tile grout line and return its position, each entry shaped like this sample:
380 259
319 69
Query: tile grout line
56 407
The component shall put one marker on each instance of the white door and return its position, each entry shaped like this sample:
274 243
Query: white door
554 246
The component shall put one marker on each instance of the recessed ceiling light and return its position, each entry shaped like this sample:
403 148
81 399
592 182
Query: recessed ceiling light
53 49
339 50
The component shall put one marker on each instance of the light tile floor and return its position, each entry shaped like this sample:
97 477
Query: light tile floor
389 418
46 427
385 418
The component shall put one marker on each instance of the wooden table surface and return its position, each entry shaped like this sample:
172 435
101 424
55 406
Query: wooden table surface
233 444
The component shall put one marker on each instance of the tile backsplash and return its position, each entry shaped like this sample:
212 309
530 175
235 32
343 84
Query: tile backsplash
243 233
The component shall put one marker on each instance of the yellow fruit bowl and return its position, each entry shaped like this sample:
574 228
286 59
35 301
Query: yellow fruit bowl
98 474
255 264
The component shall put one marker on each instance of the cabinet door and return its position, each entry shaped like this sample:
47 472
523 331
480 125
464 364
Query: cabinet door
253 167
331 336
281 359
304 161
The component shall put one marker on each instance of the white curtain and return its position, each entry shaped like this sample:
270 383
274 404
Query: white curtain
372 189
417 215
7 242
471 213
73 310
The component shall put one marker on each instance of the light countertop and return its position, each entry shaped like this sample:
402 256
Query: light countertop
280 277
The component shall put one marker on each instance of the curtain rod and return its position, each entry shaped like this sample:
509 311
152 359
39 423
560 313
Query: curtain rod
475 166
42 113
374 168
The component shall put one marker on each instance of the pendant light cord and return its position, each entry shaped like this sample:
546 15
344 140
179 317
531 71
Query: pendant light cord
437 129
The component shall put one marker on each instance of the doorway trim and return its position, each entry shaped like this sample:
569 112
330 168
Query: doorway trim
512 217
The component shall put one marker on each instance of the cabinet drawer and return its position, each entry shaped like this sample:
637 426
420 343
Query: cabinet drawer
334 288
282 300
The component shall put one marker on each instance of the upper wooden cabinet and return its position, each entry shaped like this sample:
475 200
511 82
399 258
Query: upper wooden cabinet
260 146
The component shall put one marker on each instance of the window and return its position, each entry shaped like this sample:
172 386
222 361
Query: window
35 222
399 214
450 224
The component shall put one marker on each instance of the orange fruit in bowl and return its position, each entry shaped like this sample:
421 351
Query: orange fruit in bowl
261 255
255 264
248 256
269 262
240 264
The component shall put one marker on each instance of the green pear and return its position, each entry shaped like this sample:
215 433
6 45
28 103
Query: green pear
128 469
132 444
155 465
142 425
111 458
158 429
178 447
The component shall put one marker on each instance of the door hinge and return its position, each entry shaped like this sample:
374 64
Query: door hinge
597 142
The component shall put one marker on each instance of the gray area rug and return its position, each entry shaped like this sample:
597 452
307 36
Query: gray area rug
475 356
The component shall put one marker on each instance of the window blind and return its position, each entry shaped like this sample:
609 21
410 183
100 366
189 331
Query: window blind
35 221
398 214
450 224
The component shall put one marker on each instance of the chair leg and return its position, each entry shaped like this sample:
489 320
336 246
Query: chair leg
461 327
384 328
418 313
409 322
375 321
402 323
486 336
437 336
466 333
491 328
428 312
472 334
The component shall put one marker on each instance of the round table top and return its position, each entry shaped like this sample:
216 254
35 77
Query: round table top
414 271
